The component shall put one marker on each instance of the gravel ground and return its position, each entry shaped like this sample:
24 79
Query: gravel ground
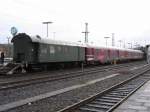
58 102
54 103
30 91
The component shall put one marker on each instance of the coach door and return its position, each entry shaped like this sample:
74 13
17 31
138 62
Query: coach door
78 59
117 54
35 52
109 55
20 57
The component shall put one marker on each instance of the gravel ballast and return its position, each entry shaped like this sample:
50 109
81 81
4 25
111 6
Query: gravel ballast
60 101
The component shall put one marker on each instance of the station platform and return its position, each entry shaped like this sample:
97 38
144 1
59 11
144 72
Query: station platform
138 102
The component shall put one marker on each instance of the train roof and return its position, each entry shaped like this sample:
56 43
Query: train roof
38 39
115 48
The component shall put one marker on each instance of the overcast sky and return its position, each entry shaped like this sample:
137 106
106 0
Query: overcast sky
128 19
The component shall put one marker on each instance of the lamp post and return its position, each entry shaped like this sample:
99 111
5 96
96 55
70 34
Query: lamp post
113 39
124 44
120 42
9 50
106 39
47 22
129 45
136 45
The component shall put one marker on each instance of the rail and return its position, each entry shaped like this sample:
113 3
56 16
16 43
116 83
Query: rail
109 99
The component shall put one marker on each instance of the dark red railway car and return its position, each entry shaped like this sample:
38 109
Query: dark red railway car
102 55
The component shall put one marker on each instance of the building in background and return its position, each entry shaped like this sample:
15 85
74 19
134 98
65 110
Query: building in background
7 49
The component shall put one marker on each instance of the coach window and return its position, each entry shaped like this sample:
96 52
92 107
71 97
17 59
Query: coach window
66 49
43 51
59 48
52 49
32 49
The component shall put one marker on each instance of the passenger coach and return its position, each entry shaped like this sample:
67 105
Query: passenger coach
36 50
32 50
95 54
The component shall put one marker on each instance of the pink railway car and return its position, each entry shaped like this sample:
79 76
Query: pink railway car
102 55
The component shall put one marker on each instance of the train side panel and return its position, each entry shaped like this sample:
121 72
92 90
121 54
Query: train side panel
35 50
103 55
60 53
96 55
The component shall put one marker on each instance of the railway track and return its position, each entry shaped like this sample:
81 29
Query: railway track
38 101
46 78
109 99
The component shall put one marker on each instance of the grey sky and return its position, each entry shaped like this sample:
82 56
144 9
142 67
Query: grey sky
128 19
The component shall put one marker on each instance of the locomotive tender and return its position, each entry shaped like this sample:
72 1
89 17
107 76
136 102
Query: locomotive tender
36 50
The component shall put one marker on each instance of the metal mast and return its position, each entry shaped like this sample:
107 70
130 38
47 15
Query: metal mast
86 32
113 39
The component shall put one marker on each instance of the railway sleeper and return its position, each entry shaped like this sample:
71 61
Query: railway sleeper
116 93
100 107
106 100
126 88
85 109
116 96
124 91
112 98
103 103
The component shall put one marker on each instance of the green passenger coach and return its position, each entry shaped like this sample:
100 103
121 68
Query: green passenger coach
33 50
